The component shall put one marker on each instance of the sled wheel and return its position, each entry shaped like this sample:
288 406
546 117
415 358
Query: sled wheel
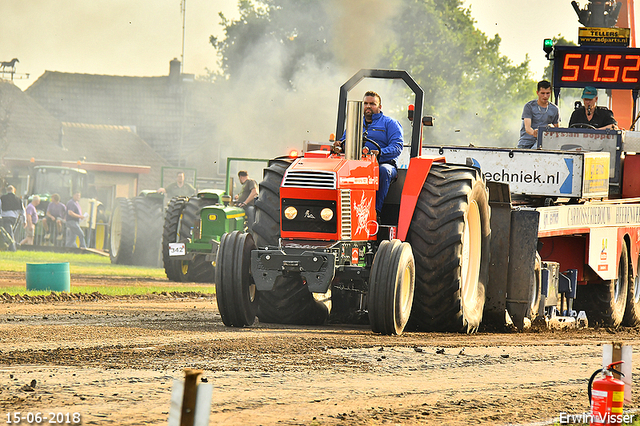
391 287
605 301
235 290
632 311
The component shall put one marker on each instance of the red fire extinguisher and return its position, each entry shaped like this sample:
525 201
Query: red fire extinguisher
606 395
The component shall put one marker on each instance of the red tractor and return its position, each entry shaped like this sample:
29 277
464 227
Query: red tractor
423 264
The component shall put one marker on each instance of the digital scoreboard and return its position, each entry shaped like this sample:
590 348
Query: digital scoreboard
605 67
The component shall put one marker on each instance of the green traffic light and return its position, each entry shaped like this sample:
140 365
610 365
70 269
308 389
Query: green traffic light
548 47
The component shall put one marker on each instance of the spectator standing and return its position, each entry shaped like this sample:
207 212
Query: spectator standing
10 210
73 218
31 217
56 213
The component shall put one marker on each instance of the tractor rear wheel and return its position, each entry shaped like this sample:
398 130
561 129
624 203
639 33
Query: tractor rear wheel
289 302
235 290
198 269
266 228
391 287
149 212
123 232
170 234
605 301
632 311
450 236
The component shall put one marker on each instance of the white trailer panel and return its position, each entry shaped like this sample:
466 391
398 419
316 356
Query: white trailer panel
535 172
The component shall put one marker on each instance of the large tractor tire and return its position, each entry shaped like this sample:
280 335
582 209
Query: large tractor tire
198 269
289 302
123 232
170 234
235 290
149 220
450 236
391 287
632 311
605 301
266 228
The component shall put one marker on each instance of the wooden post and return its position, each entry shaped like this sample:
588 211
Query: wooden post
616 355
187 415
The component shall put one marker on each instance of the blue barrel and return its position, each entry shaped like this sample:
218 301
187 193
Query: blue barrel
48 276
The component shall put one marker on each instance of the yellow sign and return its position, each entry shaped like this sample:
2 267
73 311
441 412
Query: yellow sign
609 36
596 173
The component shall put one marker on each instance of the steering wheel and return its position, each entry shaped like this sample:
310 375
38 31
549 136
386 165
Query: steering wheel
582 126
366 139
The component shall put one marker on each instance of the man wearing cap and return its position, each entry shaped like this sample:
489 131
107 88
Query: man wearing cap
590 113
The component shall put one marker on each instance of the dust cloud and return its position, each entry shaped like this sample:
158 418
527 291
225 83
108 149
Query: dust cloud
265 117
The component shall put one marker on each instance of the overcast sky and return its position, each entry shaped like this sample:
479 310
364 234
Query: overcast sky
140 37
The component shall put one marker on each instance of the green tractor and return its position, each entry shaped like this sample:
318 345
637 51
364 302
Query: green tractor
193 227
191 234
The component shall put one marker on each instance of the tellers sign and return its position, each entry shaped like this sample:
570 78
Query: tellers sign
598 66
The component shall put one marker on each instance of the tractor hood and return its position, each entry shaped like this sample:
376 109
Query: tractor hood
332 172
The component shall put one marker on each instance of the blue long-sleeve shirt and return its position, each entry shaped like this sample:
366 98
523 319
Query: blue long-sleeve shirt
387 132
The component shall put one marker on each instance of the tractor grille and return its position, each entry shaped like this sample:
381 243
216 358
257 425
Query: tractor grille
345 213
310 179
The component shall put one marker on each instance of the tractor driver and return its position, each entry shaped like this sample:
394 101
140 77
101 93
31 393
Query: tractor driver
387 132
591 114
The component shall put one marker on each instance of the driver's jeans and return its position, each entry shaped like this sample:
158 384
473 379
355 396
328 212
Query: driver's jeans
388 173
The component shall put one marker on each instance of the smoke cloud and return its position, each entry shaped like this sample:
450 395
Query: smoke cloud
263 117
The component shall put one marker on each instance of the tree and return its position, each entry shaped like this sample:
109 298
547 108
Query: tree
298 27
475 94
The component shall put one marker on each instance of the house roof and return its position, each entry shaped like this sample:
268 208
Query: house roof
32 132
170 114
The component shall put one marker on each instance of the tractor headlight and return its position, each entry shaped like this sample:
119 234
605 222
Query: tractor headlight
326 214
290 212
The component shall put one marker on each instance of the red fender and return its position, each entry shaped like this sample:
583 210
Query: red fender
416 175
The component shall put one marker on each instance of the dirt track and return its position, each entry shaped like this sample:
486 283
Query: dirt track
113 360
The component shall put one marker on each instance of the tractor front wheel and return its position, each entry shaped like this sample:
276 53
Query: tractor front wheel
391 287
235 290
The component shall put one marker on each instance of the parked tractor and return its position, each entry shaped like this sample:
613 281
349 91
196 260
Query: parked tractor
45 181
193 227
136 230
